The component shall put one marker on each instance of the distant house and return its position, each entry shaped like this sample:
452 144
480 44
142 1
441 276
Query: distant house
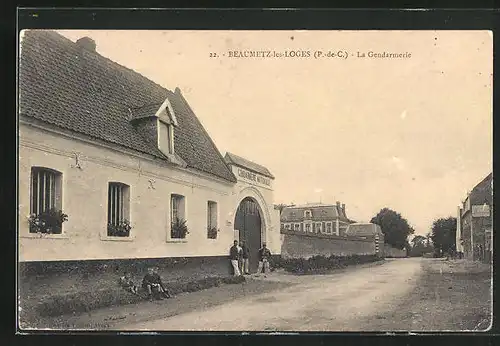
475 222
316 218
368 231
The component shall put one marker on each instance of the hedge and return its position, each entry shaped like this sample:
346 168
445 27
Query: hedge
317 264
86 301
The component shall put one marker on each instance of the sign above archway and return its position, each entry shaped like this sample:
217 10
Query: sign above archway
249 172
253 177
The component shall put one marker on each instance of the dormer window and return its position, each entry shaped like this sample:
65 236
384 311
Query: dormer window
165 137
307 214
166 122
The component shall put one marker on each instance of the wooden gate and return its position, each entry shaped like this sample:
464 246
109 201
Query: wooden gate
248 222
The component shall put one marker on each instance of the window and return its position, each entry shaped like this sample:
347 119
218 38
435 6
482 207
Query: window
46 186
118 210
328 228
212 220
178 217
307 214
308 227
296 227
319 227
165 137
288 226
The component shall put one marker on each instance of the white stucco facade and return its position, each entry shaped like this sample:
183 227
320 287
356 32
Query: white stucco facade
87 166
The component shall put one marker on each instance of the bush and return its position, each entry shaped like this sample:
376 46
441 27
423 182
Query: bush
318 263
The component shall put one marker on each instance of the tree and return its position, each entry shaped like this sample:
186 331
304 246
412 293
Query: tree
418 241
428 239
395 228
282 206
420 245
443 234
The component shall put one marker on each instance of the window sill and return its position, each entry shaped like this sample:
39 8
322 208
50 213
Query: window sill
108 238
44 236
177 240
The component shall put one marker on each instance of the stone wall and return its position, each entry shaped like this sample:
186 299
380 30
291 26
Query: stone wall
301 245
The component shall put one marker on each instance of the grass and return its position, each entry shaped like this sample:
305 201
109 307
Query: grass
113 295
449 296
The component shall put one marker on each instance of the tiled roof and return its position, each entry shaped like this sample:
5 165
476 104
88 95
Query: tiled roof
251 166
363 229
74 88
144 111
482 192
319 212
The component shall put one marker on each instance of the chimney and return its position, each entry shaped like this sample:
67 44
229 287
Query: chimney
343 208
338 206
86 43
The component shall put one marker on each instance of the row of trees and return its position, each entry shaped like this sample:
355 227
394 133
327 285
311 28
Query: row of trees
397 232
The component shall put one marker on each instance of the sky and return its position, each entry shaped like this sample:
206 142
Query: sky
411 134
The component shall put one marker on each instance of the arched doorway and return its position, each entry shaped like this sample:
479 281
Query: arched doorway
248 222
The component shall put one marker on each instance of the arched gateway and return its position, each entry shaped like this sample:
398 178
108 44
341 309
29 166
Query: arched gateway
249 224
255 220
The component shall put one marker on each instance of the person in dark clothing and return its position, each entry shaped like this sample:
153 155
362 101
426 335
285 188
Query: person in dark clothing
234 256
264 257
245 252
154 286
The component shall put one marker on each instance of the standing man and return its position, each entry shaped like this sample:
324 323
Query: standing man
264 256
234 255
244 259
240 257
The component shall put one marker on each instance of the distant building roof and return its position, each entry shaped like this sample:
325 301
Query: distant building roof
363 229
244 163
483 192
311 205
319 211
71 86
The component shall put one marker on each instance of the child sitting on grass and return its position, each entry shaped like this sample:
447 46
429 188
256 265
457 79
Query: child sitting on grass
153 285
127 283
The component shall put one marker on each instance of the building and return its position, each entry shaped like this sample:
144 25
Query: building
475 222
368 231
112 149
316 218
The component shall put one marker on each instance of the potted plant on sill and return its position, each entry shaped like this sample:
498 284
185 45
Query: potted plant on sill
179 229
122 229
47 222
212 232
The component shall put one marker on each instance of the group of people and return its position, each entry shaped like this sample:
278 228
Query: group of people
239 255
151 284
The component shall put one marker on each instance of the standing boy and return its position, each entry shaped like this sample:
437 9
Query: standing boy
244 259
264 256
234 256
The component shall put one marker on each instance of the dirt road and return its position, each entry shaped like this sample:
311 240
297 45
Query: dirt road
336 302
